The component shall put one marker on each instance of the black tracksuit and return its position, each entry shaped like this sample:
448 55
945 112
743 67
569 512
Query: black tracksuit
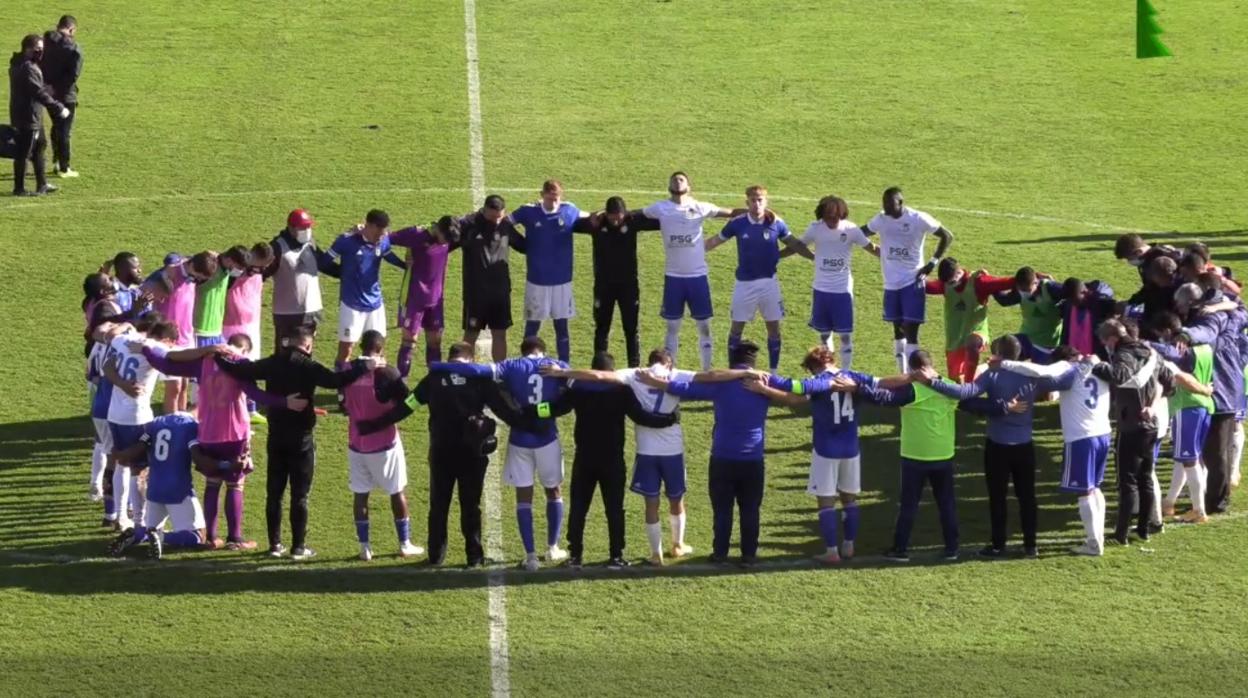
28 95
486 270
615 278
291 447
599 462
62 64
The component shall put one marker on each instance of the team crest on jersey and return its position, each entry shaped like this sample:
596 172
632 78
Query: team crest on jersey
766 235
844 237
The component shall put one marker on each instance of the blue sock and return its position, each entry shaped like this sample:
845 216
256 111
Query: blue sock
182 539
110 508
361 530
563 341
851 521
524 519
140 534
531 328
827 525
734 341
554 520
773 353
403 527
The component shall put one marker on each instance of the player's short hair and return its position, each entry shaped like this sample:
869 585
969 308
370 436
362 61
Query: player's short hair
1187 296
204 263
817 358
528 345
1209 281
448 227
1025 276
1198 248
659 356
1193 261
29 41
494 202
755 189
260 255
377 218
551 186
1163 265
947 269
602 361
1111 329
162 331
891 192
1073 287
299 334
1132 327
1008 347
460 350
372 342
123 257
678 173
1127 244
240 340
1064 352
1164 322
66 22
616 204
919 358
145 321
744 354
237 254
833 205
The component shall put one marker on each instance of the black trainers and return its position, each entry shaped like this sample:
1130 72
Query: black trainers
896 555
952 555
155 547
47 189
574 562
990 552
303 552
748 561
123 542
718 559
617 563
1031 552
474 563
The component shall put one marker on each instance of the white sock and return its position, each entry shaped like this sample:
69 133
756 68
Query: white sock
99 461
121 495
1087 514
672 341
704 343
678 528
825 338
847 351
137 500
1156 498
910 349
1196 488
1237 450
1178 479
654 533
1100 519
899 353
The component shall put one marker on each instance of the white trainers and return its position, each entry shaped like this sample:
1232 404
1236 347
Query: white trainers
847 549
408 549
680 550
530 563
67 174
554 554
95 494
366 552
303 553
1086 549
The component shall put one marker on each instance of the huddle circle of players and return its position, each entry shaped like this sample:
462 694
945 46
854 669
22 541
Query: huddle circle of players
1172 357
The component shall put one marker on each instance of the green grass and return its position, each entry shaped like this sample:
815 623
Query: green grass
1028 128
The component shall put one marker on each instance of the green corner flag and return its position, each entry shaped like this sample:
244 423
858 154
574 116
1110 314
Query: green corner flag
1148 32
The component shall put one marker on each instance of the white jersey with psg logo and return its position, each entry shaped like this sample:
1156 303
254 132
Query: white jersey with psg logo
681 228
901 244
832 254
133 367
1084 397
668 441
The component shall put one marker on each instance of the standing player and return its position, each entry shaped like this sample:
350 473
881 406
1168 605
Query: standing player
420 302
903 232
548 280
614 234
832 307
531 455
243 302
757 291
180 277
1037 297
487 237
685 280
356 255
966 314
1192 415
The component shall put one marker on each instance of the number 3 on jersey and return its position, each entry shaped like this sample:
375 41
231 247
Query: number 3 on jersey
535 384
1093 388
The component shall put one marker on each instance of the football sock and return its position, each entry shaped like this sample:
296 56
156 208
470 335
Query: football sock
432 353
671 341
137 500
704 343
212 504
563 340
121 495
1237 450
827 526
1087 514
1178 478
182 539
403 529
678 528
554 520
361 531
405 359
733 341
773 353
1196 487
825 338
911 347
110 509
531 328
524 520
654 533
899 353
99 459
1156 514
851 521
847 350
234 512
1099 523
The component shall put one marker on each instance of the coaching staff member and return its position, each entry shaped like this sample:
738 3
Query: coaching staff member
291 448
487 238
461 438
28 95
297 261
62 64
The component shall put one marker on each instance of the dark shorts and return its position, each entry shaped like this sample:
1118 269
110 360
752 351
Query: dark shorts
488 311
428 318
832 312
907 304
284 324
226 450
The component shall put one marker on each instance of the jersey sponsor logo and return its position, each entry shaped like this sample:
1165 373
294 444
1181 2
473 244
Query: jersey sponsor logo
833 264
902 253
680 241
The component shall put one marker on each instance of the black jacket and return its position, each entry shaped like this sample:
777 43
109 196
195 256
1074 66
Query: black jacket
600 412
28 94
291 372
452 400
1132 391
62 64
615 247
486 250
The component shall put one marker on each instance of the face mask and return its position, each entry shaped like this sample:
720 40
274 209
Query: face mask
38 56
235 273
303 234
1137 262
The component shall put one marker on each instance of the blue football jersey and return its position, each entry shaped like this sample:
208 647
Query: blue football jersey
528 387
360 287
169 439
758 249
834 417
549 242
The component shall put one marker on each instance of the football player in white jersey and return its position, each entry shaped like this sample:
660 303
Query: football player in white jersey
832 309
685 280
903 231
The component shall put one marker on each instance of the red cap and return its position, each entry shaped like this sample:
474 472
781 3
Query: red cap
298 219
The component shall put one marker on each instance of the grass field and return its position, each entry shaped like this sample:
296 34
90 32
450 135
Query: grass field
1028 128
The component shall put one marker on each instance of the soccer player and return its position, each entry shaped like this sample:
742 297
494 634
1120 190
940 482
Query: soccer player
376 460
1161 278
832 306
928 435
966 313
548 227
297 263
103 468
1139 254
487 238
685 280
1192 415
1084 406
534 455
614 236
903 232
357 255
127 273
757 291
599 463
420 305
209 315
243 301
835 469
737 469
1037 297
1084 306
179 277
99 305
